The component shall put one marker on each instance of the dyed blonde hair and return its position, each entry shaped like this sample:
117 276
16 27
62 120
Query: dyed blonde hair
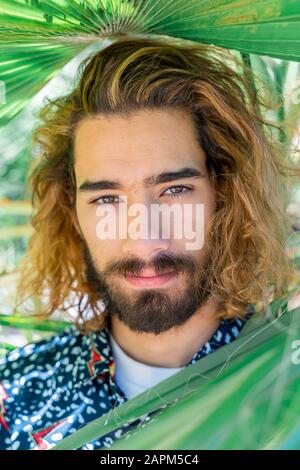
247 233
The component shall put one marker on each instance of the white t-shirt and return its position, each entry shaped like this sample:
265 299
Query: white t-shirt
134 377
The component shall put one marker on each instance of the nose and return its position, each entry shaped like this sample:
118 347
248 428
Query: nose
145 249
146 242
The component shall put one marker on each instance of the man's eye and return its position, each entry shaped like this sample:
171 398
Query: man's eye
178 190
109 199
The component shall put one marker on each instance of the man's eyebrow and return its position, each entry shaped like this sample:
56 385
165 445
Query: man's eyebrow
98 185
165 177
182 173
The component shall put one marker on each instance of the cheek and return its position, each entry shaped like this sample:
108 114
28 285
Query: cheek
209 210
87 220
209 200
196 227
100 249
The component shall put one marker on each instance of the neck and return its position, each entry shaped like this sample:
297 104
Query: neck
172 348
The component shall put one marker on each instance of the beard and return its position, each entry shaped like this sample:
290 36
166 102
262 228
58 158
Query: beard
150 310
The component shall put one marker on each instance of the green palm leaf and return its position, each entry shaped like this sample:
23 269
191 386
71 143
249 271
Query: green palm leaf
226 413
26 62
29 323
38 37
219 380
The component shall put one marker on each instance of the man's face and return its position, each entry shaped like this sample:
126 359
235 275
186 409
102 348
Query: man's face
151 283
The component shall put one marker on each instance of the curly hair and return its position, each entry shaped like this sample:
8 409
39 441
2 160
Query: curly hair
244 160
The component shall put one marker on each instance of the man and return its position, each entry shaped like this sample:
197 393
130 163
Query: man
149 124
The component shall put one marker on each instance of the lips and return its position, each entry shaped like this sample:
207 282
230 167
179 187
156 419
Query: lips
148 278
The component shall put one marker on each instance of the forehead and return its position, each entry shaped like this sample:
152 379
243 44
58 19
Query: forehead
146 142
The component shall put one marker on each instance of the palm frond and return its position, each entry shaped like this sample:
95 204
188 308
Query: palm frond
237 366
30 323
37 38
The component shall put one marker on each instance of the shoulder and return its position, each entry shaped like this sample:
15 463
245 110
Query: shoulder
46 351
31 378
48 385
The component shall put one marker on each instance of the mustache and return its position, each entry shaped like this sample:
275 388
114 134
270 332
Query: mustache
160 264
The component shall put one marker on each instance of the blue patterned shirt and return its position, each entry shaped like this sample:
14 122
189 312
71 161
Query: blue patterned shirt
51 388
